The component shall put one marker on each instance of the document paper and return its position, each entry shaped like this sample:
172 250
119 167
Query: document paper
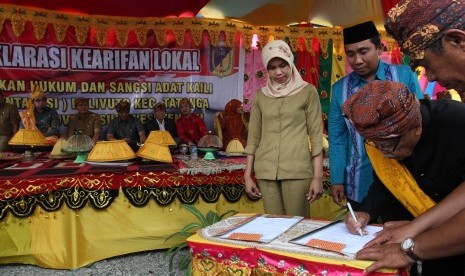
264 228
338 239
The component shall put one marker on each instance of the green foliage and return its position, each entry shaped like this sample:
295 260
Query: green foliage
202 221
340 213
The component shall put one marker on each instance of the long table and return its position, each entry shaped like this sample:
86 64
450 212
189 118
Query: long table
58 214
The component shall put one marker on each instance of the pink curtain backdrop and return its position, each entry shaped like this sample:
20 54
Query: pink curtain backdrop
255 75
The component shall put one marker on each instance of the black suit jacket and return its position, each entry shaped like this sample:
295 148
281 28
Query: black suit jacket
170 126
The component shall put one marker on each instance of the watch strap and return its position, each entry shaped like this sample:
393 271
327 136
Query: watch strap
412 255
409 250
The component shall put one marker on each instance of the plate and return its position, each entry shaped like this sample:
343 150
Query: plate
6 156
232 153
209 149
110 164
182 157
11 158
63 155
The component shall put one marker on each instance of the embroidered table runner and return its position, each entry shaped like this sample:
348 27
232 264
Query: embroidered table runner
208 167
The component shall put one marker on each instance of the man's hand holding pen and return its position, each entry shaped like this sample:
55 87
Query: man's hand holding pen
354 225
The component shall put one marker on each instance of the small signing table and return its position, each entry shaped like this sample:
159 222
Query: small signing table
214 256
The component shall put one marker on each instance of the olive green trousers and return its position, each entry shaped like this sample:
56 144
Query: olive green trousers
285 197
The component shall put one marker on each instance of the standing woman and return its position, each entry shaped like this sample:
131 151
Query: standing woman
284 114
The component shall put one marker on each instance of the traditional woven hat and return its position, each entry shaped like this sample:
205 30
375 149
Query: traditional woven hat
58 150
155 152
161 137
107 151
28 137
383 110
417 24
235 146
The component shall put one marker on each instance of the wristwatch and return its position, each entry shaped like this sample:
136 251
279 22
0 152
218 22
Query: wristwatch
407 246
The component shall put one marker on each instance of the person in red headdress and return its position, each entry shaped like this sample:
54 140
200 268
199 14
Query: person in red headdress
190 126
231 124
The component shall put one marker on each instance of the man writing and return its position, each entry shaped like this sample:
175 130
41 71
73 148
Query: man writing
417 152
438 232
350 169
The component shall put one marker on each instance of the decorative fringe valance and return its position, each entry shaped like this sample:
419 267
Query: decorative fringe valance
105 26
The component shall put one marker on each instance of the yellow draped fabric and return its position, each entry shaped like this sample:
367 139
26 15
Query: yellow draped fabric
338 69
69 239
399 182
28 119
324 208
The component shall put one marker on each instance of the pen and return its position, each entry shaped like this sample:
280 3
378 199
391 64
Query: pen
354 217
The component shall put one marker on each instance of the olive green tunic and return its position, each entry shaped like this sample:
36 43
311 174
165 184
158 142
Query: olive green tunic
278 134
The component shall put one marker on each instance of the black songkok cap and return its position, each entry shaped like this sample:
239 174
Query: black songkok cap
123 106
359 32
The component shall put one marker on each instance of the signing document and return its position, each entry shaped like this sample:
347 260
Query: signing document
336 238
263 228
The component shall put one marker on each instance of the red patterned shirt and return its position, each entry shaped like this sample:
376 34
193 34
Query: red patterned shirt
191 129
